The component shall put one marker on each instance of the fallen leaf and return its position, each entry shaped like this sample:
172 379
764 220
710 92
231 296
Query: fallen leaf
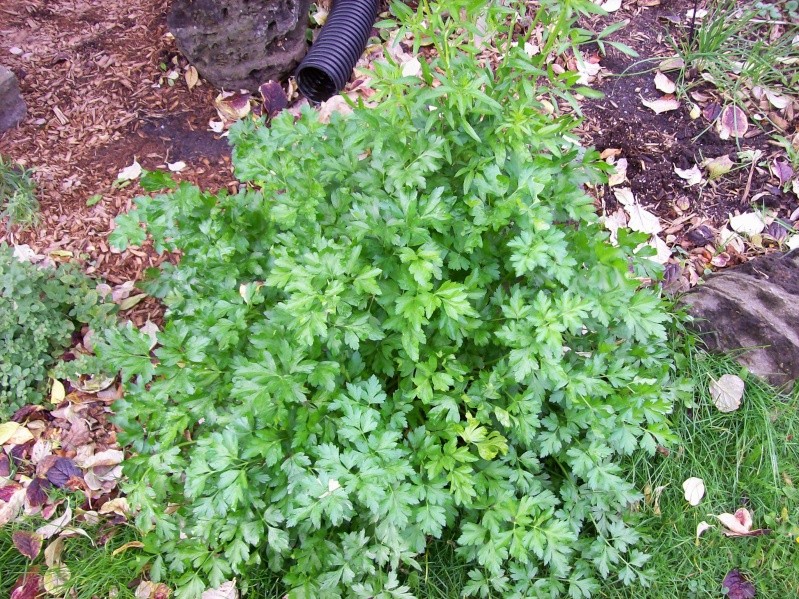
412 68
35 493
664 104
176 167
14 433
12 503
737 586
777 101
273 96
663 251
216 126
619 175
695 112
227 590
52 553
718 167
664 84
152 590
334 104
27 543
674 63
782 170
739 524
694 489
55 578
748 223
27 586
128 545
692 175
701 528
117 506
62 471
56 526
727 392
131 301
129 173
192 77
57 392
625 196
792 242
610 5
108 457
732 122
232 106
642 220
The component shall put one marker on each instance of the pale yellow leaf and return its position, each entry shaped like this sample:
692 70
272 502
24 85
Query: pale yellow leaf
661 105
727 392
694 489
57 392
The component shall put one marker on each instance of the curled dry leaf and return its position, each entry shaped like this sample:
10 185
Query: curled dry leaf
692 175
777 101
739 524
664 104
52 553
727 392
664 84
732 122
231 106
152 590
57 525
610 5
737 586
176 167
129 173
701 528
694 489
748 223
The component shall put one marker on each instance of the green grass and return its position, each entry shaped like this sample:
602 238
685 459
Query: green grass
94 569
731 48
18 203
748 458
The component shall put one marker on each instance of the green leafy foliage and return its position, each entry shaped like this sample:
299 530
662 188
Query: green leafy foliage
411 324
40 309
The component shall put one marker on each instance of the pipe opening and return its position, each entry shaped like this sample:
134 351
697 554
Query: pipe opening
315 84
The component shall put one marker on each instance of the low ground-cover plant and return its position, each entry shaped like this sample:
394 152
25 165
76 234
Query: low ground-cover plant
18 203
40 309
410 325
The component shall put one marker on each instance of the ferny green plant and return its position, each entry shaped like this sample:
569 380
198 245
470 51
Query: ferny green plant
409 324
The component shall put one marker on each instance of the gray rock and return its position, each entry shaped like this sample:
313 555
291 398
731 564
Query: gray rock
240 44
754 307
12 106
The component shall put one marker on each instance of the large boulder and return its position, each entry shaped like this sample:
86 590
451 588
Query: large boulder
12 106
239 44
754 307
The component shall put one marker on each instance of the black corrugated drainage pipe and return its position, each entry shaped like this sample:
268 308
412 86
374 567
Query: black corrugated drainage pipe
328 65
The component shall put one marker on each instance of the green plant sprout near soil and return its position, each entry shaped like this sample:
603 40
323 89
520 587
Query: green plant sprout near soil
410 326
18 203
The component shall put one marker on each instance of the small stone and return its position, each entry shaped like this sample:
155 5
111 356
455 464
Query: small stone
12 106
